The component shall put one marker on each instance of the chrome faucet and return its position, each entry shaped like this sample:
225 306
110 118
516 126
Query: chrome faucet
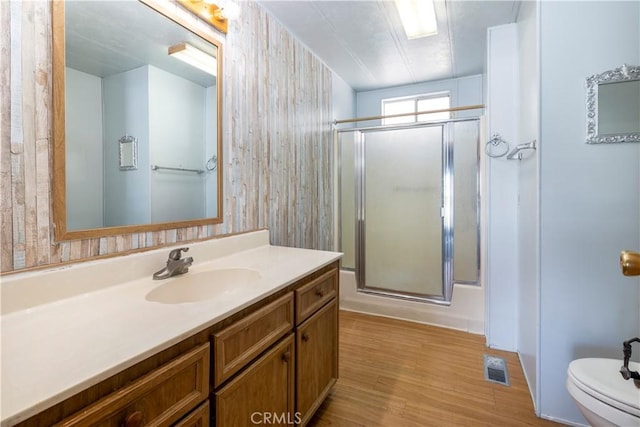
175 265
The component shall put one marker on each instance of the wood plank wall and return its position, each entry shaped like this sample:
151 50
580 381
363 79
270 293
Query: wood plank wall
277 141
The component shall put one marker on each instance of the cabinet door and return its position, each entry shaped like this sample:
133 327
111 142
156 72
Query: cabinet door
197 418
317 359
262 393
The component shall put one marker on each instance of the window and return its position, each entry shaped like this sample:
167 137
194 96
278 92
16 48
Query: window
415 104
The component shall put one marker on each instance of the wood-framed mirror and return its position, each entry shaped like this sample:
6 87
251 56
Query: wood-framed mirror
115 78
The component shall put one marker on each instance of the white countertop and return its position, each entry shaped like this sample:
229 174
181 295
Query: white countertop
54 350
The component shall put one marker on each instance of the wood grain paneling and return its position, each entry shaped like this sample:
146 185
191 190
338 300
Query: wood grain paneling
6 201
277 150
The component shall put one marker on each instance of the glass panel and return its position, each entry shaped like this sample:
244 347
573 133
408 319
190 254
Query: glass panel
465 201
129 107
347 198
619 108
403 198
398 107
439 103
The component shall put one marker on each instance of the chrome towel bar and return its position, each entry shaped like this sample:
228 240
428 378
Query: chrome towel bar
516 153
156 167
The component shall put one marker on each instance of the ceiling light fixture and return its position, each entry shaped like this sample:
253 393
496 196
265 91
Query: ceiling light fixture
195 57
218 16
418 18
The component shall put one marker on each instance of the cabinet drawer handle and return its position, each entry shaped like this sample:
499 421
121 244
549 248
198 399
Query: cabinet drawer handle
305 336
319 292
286 356
134 419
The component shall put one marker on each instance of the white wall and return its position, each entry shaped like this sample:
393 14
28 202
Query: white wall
463 91
528 212
501 273
126 109
83 128
343 98
176 139
589 198
166 114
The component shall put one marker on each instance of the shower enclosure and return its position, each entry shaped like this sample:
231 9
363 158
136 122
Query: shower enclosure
409 198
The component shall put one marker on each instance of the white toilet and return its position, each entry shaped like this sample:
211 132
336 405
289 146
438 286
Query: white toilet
602 395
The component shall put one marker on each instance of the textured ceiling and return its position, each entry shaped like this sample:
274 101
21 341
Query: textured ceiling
109 37
364 43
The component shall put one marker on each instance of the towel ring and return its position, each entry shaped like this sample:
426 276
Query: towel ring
492 147
212 163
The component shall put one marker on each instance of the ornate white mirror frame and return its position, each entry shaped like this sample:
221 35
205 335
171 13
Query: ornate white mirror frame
595 133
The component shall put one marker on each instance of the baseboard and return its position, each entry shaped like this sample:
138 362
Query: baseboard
501 348
561 421
535 405
412 315
531 393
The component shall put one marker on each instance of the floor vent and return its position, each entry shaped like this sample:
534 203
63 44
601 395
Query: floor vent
495 370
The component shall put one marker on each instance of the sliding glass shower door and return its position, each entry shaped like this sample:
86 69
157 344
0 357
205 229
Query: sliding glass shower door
401 222
400 187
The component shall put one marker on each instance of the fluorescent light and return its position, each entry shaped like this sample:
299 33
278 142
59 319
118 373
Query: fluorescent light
195 57
418 17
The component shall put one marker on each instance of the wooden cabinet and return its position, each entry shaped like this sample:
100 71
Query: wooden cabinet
316 293
197 418
264 389
316 359
272 363
241 342
159 398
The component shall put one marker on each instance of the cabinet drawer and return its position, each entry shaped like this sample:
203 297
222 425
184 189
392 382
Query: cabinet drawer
159 398
198 418
242 341
315 294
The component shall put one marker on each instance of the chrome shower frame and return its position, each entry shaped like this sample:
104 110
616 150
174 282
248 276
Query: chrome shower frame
447 210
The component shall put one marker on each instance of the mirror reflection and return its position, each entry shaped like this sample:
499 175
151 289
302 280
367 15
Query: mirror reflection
619 107
127 79
128 153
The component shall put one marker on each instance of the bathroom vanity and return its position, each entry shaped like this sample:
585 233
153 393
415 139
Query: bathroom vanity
260 352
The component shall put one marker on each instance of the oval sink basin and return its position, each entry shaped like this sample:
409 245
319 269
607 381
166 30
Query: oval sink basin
202 285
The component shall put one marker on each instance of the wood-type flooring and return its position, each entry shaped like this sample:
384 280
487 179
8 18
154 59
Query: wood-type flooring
403 374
